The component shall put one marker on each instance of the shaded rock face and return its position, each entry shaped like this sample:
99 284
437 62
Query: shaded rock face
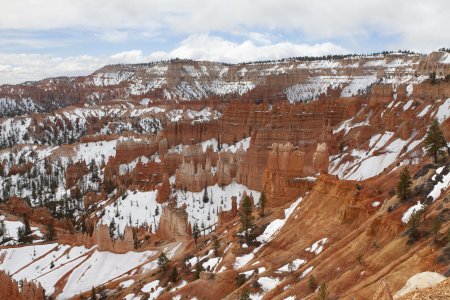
193 178
173 224
163 189
284 177
321 158
227 216
9 289
105 243
74 172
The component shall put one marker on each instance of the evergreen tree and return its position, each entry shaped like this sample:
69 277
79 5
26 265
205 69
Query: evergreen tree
246 216
163 262
413 226
435 141
195 232
432 77
262 204
112 228
323 292
245 295
291 267
205 197
435 227
403 186
51 232
93 294
21 238
174 275
198 269
27 226
312 283
2 230
215 245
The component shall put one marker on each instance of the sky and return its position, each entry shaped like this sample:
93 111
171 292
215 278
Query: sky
45 38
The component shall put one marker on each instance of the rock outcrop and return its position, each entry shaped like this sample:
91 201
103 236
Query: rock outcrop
173 224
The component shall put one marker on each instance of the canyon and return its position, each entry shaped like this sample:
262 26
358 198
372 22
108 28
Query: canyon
112 170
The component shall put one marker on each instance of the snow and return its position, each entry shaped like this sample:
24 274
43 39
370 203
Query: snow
443 112
441 185
139 207
408 105
152 286
127 283
182 284
306 272
126 168
11 228
420 281
131 297
297 263
102 267
268 283
317 247
314 86
424 111
97 151
244 144
219 199
277 224
211 263
365 165
407 214
243 260
34 263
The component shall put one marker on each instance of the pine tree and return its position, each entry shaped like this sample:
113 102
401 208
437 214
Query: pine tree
93 294
312 283
435 227
403 186
21 237
51 232
246 216
112 228
413 226
291 267
323 292
205 197
2 230
195 232
262 204
435 141
163 262
216 245
27 226
245 295
198 270
174 275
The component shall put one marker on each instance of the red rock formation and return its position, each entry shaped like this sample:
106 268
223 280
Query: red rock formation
226 216
173 224
194 179
163 189
284 178
93 197
74 172
105 243
9 289
321 158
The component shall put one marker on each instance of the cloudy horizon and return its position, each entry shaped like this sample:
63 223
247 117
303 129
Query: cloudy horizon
40 39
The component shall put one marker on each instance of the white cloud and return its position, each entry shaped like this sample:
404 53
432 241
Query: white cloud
114 36
417 24
16 68
206 47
